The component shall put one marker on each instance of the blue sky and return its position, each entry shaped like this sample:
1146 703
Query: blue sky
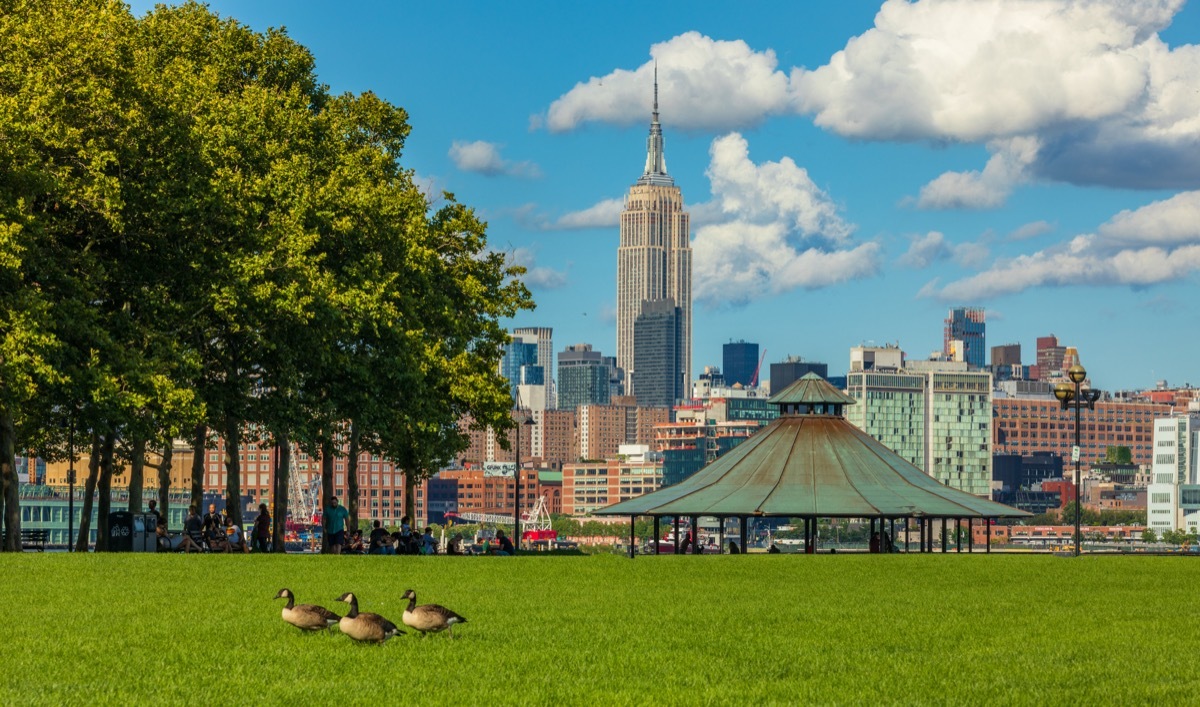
852 169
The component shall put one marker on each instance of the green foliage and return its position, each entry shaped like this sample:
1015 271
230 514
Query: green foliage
1149 536
702 634
194 232
1118 455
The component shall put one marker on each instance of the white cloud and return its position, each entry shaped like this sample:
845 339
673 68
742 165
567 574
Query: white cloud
1157 243
605 214
1170 222
484 158
779 232
704 84
926 250
539 277
982 190
1107 100
1030 230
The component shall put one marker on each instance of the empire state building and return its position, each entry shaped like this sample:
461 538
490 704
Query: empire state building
654 264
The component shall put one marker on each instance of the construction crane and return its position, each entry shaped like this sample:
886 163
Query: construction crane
754 378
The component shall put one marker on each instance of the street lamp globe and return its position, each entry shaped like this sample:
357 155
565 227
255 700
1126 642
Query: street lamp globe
1064 391
1077 373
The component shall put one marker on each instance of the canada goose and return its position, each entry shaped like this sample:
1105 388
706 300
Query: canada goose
365 627
429 617
306 617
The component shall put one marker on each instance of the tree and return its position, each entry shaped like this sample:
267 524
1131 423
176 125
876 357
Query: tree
1118 455
1149 536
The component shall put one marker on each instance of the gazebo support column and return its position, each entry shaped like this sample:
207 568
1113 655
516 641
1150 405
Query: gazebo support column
656 535
958 534
742 538
721 535
632 537
892 533
695 534
987 525
676 521
944 529
906 534
970 535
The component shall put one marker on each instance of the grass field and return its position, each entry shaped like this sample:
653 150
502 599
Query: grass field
755 629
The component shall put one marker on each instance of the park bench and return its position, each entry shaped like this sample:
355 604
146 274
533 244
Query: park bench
34 539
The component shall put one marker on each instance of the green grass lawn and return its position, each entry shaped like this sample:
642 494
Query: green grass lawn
725 630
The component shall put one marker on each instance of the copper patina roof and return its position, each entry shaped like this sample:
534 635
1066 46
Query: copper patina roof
812 465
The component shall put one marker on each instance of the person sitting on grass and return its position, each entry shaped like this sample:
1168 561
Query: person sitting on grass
505 545
193 532
455 547
428 544
235 539
356 546
381 541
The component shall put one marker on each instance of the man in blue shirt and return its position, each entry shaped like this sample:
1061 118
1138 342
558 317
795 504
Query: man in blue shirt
335 525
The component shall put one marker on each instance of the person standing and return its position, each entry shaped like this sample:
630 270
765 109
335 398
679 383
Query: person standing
334 521
262 529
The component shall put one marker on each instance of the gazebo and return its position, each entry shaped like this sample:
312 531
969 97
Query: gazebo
811 463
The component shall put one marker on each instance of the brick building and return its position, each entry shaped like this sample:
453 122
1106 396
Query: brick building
1027 425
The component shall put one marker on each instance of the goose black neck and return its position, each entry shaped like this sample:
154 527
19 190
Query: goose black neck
353 608
412 601
291 600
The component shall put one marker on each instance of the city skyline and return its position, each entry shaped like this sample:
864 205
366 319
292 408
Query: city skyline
853 171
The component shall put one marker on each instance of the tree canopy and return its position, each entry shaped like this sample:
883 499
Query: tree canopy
196 236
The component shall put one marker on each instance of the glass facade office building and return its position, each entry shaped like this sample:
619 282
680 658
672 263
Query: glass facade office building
941 422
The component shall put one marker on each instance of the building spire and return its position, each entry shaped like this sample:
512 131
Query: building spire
656 161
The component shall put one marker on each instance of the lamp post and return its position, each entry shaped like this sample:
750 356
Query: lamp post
71 486
520 420
1072 396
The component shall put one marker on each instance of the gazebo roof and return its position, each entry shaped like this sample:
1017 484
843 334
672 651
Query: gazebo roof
811 465
811 390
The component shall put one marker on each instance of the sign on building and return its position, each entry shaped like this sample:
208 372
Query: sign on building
499 468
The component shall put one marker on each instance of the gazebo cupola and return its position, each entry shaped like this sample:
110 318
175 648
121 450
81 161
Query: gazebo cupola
811 395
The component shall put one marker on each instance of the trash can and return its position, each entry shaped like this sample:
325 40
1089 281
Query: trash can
151 522
120 531
144 539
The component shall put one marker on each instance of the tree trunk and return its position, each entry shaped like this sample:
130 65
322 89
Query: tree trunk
164 479
137 471
410 496
233 478
10 505
352 477
199 440
104 491
283 470
327 490
89 492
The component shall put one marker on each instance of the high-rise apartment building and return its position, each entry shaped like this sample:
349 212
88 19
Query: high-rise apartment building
583 377
658 358
543 339
1050 358
739 361
964 337
1006 355
1173 495
939 420
654 260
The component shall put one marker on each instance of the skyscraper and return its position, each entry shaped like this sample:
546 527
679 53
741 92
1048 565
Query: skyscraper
544 338
658 378
583 377
654 261
964 338
739 361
